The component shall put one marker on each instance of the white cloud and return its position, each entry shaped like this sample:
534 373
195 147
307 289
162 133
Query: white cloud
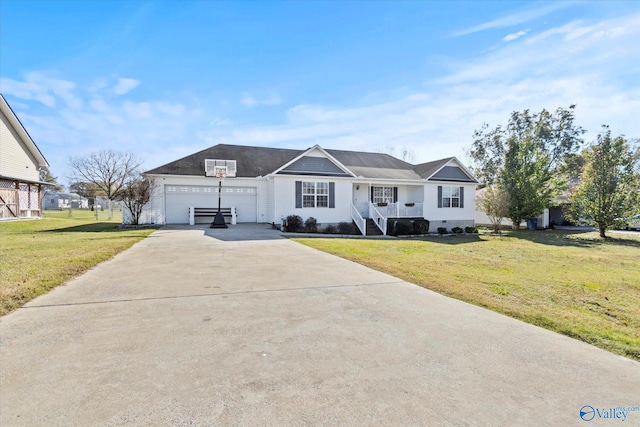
251 101
590 64
520 17
41 87
514 36
125 85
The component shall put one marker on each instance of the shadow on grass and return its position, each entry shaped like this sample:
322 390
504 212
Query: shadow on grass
571 238
450 240
89 228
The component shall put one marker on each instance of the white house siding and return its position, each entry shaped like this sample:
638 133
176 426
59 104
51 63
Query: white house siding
15 160
173 195
483 219
262 200
271 201
449 217
285 200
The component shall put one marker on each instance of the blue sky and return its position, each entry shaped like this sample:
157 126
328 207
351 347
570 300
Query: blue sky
165 79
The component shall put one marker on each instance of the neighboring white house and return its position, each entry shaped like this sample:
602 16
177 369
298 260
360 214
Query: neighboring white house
20 164
58 200
543 220
266 185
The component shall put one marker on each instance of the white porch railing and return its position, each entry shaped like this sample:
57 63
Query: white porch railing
359 220
377 217
401 210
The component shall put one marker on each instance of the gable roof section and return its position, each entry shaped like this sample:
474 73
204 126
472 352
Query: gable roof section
261 161
308 164
449 169
35 152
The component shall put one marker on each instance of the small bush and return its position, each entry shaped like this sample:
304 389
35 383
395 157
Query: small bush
311 225
330 229
420 226
457 230
293 223
442 230
403 228
345 228
470 230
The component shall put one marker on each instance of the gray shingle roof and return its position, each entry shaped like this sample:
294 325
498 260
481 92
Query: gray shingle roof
425 170
250 161
261 161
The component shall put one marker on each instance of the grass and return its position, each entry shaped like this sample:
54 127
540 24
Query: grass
569 282
38 255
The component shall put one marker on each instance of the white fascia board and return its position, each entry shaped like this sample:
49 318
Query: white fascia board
22 133
241 178
324 152
460 165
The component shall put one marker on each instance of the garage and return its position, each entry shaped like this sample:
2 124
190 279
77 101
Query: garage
179 198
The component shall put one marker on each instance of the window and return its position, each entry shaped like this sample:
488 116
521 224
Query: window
315 194
383 195
450 197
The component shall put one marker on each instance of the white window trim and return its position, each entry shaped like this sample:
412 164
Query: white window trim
450 196
384 195
315 194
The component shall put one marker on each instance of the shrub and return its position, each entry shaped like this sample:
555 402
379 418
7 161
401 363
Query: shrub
330 229
442 230
403 228
470 230
311 225
293 223
345 228
457 230
420 226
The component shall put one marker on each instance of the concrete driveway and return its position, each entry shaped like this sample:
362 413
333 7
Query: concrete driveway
202 327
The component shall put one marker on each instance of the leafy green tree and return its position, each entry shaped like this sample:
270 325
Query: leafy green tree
46 176
609 187
524 158
494 201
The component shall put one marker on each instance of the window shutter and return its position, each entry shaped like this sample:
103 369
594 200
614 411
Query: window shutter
371 195
298 194
332 194
395 194
462 197
439 196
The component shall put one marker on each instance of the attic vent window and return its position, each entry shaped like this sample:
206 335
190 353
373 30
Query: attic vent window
212 167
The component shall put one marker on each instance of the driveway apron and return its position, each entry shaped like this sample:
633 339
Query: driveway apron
196 326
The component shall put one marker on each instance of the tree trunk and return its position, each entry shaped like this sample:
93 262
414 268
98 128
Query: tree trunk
602 229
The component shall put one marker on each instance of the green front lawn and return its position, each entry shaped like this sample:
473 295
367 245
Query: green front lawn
38 255
572 283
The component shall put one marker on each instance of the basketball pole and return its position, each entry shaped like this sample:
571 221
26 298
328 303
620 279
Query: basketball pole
218 221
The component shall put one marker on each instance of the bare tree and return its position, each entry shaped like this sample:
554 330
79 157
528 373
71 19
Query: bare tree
406 154
135 194
108 170
494 201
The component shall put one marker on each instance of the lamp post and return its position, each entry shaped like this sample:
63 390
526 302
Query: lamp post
218 221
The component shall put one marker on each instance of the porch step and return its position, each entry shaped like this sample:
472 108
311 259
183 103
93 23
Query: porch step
372 228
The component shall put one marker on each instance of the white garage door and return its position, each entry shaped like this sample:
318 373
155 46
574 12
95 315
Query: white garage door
179 198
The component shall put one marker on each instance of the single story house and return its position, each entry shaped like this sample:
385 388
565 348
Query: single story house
20 164
266 185
59 200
